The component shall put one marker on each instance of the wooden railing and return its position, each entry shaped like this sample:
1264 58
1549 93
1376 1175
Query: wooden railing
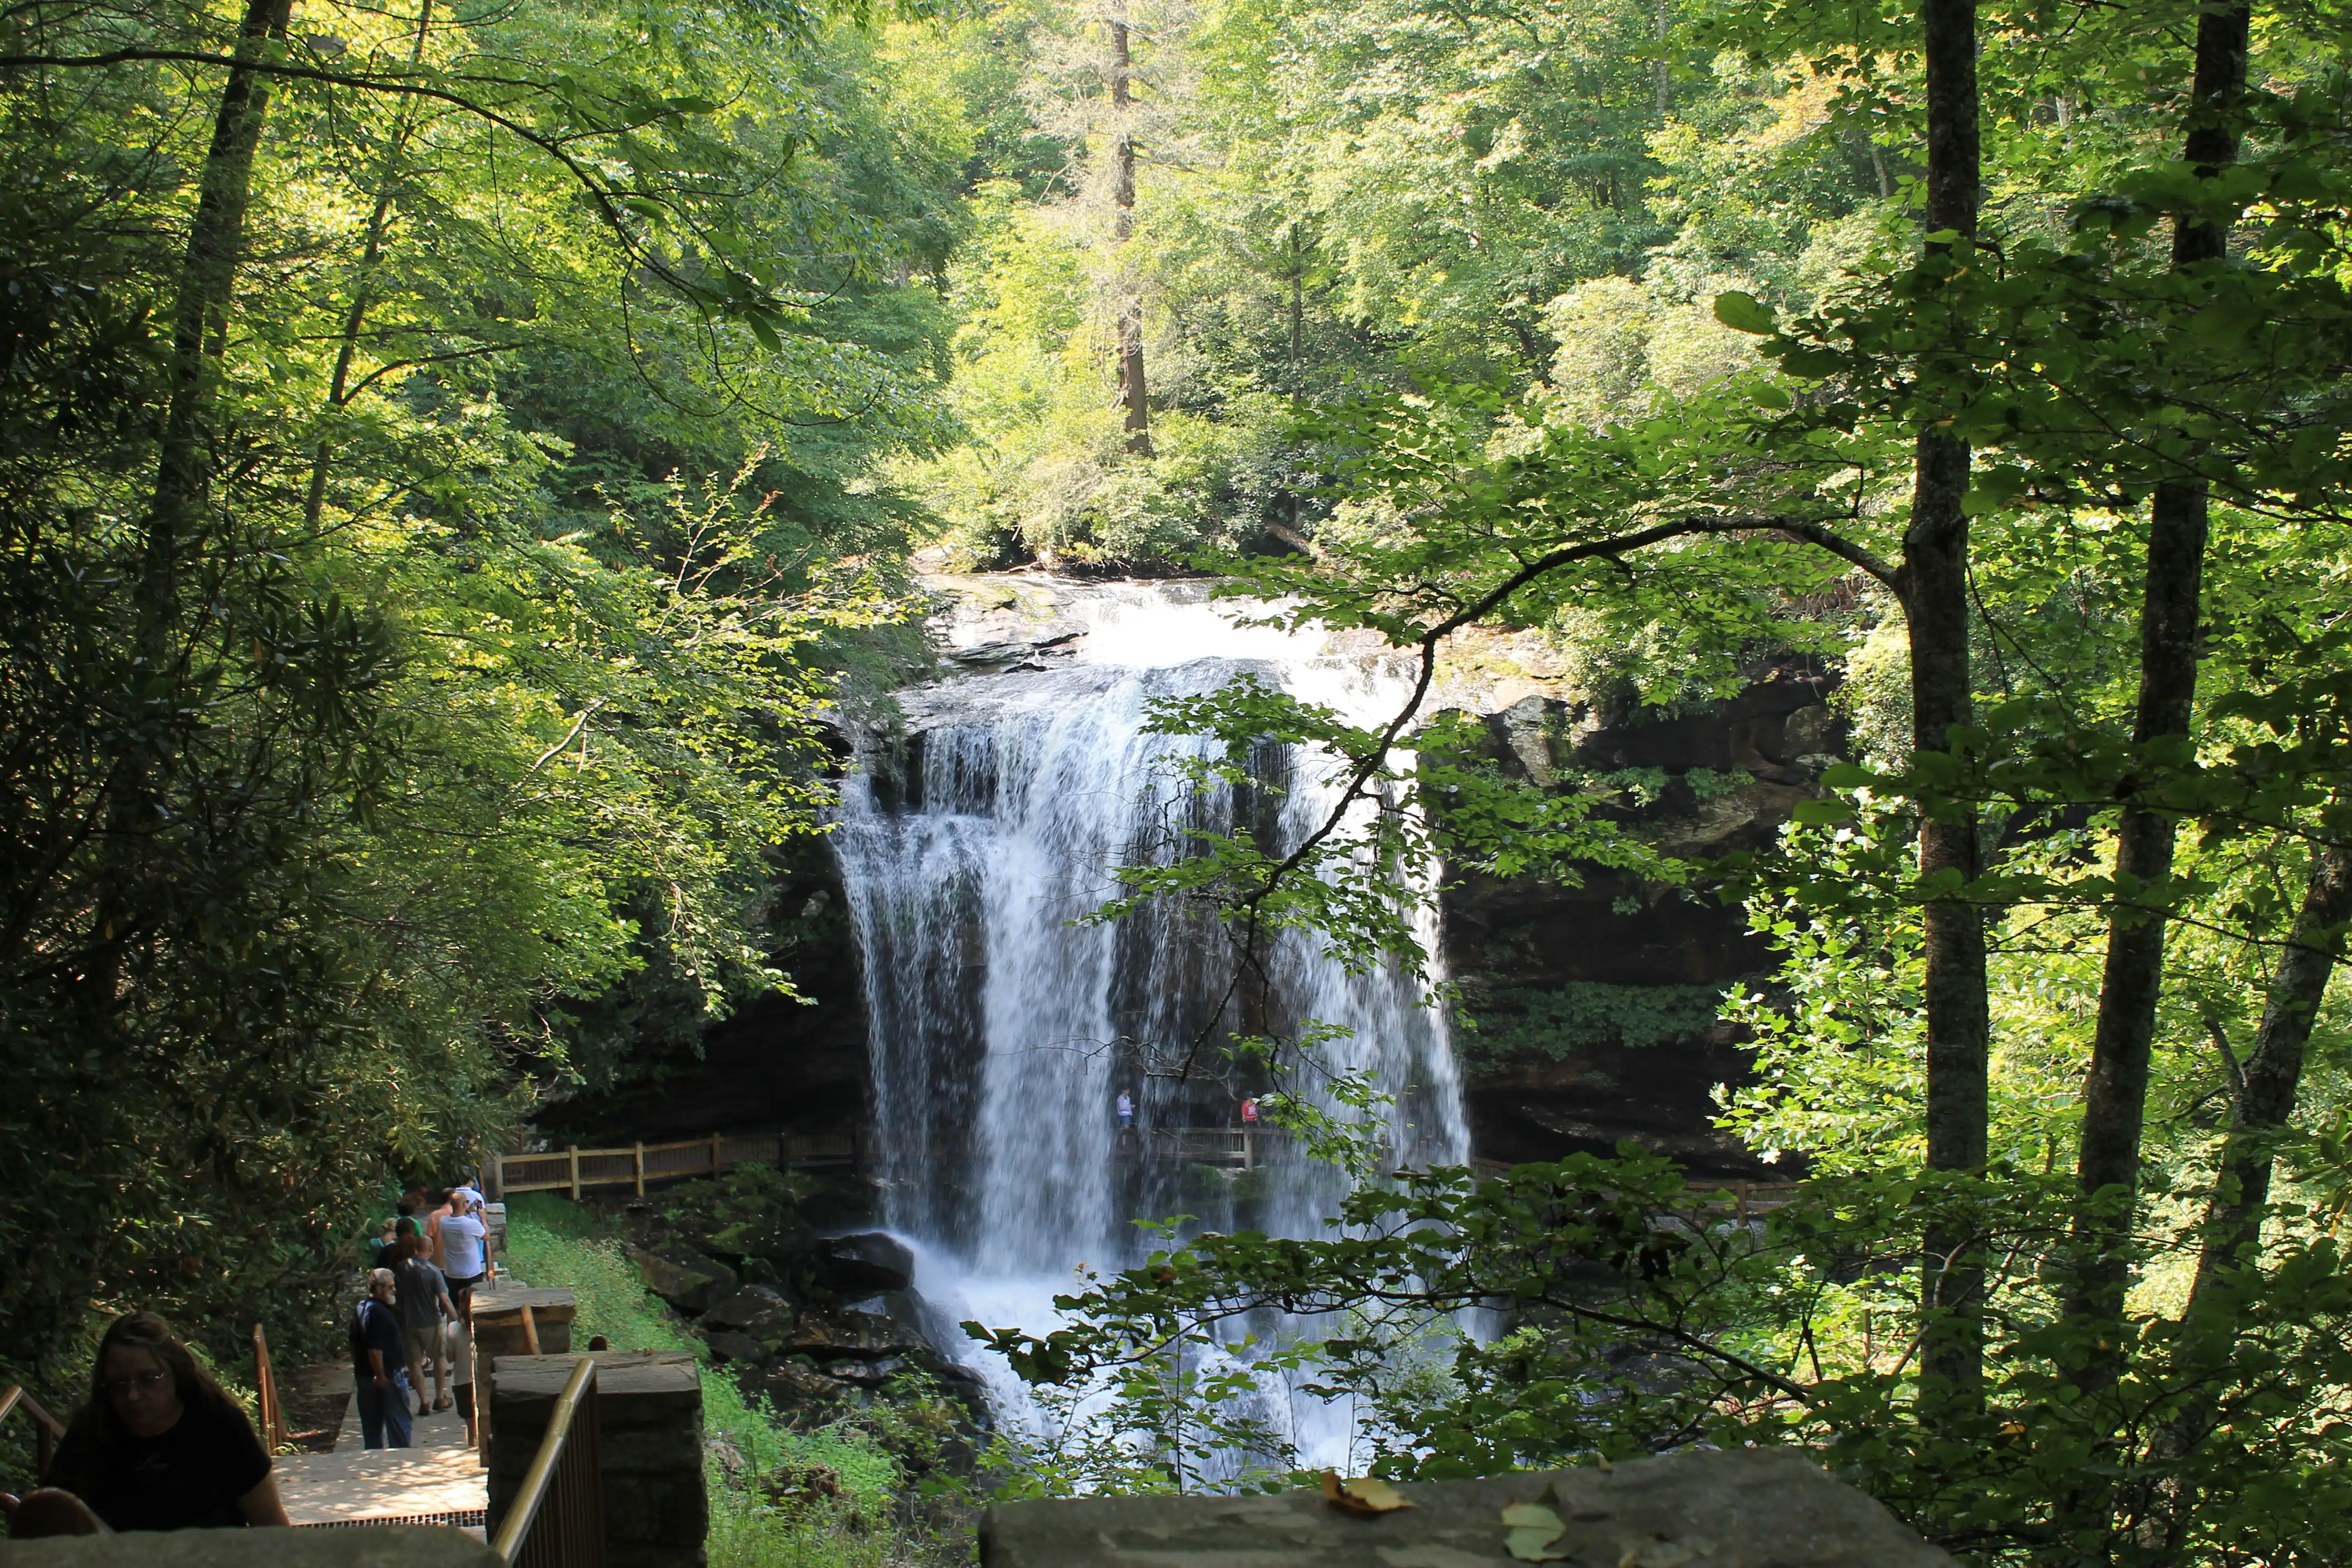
557 1520
46 1433
1234 1148
265 1378
575 1169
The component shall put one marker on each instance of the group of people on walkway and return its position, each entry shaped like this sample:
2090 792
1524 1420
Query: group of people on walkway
416 1317
159 1445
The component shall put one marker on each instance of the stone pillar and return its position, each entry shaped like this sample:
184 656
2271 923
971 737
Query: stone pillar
649 1421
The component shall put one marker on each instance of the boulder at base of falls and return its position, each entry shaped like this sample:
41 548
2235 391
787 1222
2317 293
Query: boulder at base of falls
734 1345
836 1332
866 1263
796 1382
687 1280
754 1309
868 1373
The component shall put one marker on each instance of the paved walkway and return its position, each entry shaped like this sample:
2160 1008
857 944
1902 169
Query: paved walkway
436 1480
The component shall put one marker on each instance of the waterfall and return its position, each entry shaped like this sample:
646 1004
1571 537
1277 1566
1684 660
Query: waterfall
1002 1034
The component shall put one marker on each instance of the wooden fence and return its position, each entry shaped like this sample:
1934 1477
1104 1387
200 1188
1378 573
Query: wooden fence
46 1431
575 1170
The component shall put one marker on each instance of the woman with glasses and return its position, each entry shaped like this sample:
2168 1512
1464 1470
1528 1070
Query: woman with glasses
159 1445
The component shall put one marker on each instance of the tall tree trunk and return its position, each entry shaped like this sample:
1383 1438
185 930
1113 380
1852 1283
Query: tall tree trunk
175 521
1936 606
2115 1098
371 251
199 321
2266 1085
1133 390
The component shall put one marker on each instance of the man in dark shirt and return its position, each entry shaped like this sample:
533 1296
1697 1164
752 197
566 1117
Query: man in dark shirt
378 1367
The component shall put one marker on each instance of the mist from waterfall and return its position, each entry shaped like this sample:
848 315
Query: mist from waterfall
1001 1033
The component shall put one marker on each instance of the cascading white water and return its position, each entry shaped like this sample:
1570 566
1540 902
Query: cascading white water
1001 1033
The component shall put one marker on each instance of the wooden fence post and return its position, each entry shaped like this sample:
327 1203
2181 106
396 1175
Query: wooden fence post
575 1173
641 1168
714 1155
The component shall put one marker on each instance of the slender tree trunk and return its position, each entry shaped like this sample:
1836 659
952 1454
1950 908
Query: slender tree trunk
1297 303
2115 1098
2266 1085
1664 83
371 252
1935 605
183 490
199 321
1134 392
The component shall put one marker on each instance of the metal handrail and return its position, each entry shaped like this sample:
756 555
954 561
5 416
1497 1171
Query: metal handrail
47 1432
563 1484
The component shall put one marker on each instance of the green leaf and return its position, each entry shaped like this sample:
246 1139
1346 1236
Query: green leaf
1821 813
1743 313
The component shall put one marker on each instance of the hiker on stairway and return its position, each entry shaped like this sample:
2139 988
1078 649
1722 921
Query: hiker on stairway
421 1301
463 1247
379 1372
159 1445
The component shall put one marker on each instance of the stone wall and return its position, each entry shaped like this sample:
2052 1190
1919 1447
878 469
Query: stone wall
391 1546
1749 1509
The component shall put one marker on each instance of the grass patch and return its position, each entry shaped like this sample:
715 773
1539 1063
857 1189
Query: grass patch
754 1461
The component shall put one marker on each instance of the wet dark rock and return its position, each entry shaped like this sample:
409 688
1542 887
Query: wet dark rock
795 1382
836 1332
687 1280
731 1345
747 1306
871 1261
783 1241
868 1373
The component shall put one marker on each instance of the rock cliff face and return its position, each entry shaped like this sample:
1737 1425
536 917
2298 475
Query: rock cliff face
1587 1010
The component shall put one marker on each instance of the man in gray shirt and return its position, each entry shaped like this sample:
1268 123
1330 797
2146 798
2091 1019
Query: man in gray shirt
423 1306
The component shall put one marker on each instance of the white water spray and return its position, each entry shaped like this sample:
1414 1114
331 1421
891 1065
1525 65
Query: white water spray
1001 1033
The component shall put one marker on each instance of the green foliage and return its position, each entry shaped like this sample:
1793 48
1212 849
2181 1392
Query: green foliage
1559 1023
1645 1319
426 554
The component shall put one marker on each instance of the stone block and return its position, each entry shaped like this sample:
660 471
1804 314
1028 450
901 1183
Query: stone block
387 1546
1755 1508
666 1450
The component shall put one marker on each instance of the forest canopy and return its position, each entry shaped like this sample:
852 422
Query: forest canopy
461 463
